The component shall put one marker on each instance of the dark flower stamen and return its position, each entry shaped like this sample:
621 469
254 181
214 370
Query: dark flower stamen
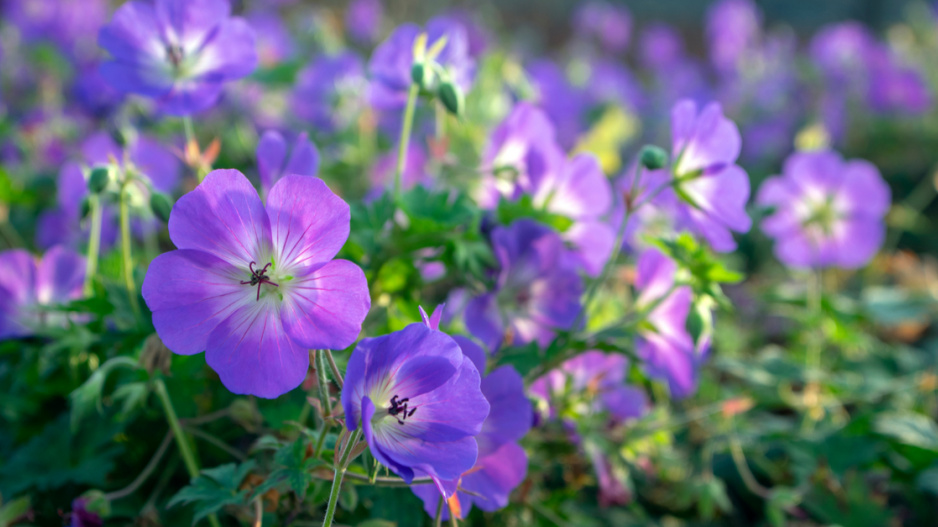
258 277
399 406
174 54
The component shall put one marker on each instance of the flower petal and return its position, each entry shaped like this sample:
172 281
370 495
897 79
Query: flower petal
271 151
190 293
510 415
223 216
252 353
309 222
326 308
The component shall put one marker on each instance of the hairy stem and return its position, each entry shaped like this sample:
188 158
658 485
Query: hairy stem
94 244
404 139
337 478
126 251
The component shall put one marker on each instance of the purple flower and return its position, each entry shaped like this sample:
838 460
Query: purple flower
537 289
363 19
657 215
713 189
522 151
664 344
733 30
522 158
417 398
828 212
565 104
897 88
391 62
330 90
581 192
273 161
502 464
27 287
81 516
274 44
67 23
255 286
598 376
179 52
842 51
612 83
610 24
660 47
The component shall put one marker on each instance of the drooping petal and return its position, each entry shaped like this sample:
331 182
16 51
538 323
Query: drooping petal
309 222
271 151
510 415
325 308
223 216
190 293
253 354
304 158
484 321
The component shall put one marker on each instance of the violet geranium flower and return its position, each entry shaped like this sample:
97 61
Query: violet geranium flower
257 287
179 52
329 92
27 286
598 376
828 212
417 398
502 463
537 290
276 159
712 188
663 343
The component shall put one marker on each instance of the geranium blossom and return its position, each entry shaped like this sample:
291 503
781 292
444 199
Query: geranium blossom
828 212
418 401
256 287
179 52
28 286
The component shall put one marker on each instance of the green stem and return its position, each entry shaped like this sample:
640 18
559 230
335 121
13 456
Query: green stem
188 457
94 244
438 520
335 368
126 251
405 139
323 384
337 479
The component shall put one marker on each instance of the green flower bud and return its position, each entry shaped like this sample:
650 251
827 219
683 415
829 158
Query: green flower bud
452 97
99 179
422 75
161 205
653 157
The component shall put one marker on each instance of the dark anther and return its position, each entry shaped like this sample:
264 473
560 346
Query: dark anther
174 54
258 277
399 406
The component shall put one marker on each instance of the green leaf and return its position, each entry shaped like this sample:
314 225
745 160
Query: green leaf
88 396
12 510
510 211
928 480
909 429
214 488
782 499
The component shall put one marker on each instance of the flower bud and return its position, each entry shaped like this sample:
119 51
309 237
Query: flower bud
99 179
161 205
452 97
422 75
653 157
